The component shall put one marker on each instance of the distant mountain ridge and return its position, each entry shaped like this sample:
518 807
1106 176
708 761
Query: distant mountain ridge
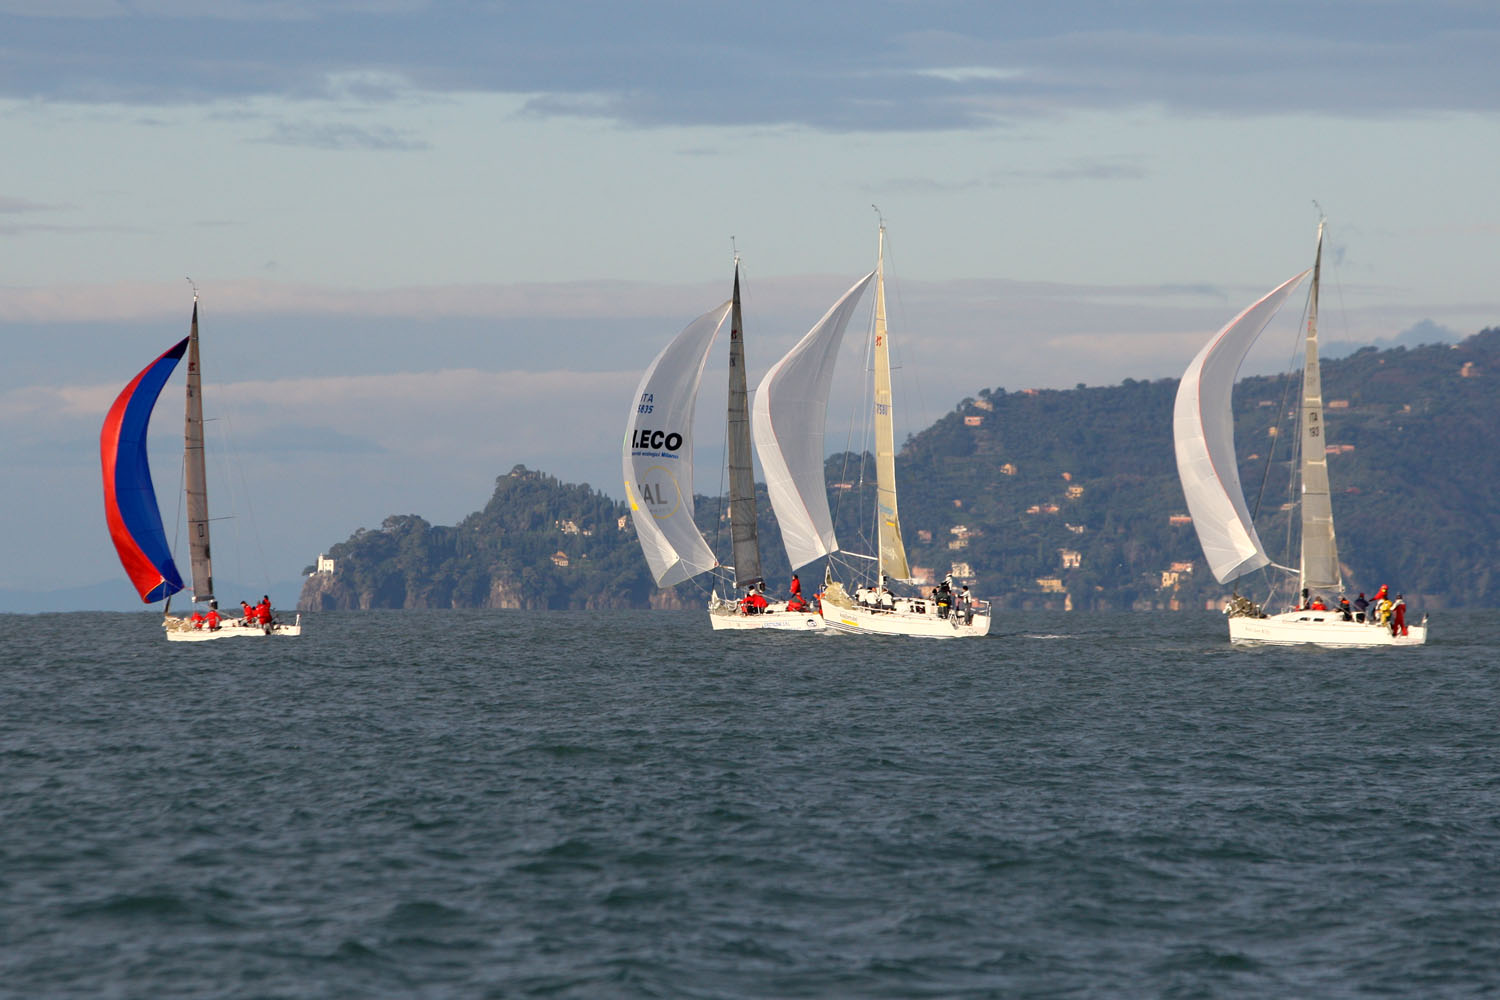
1043 498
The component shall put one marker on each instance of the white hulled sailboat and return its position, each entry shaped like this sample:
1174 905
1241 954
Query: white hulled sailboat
658 466
791 408
1203 432
131 511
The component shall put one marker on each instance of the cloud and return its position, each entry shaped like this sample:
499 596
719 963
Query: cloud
21 206
603 299
342 136
839 66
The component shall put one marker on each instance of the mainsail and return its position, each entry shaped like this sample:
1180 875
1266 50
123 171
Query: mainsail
130 508
195 473
1203 433
658 454
1320 558
888 522
791 407
742 526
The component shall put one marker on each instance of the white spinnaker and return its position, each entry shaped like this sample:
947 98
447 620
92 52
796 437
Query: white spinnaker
790 409
658 455
1203 433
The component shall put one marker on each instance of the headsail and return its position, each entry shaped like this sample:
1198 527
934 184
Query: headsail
1203 433
888 520
742 525
791 407
658 454
129 500
196 474
1320 557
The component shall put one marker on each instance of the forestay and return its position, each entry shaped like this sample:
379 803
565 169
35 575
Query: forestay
790 409
658 455
1203 432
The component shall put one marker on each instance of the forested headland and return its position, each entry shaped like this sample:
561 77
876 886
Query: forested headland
1040 498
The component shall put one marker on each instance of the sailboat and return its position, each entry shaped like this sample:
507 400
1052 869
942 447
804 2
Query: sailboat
1203 433
791 407
130 508
658 467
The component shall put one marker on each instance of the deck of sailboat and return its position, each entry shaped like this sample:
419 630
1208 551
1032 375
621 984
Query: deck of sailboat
182 630
901 616
1320 628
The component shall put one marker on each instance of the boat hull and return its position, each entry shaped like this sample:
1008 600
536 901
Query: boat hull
897 621
1319 628
781 622
181 630
725 617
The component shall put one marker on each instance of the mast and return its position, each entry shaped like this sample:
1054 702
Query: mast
742 527
892 560
1320 561
195 473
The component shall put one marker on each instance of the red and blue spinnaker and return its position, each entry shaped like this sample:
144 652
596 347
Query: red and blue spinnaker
129 500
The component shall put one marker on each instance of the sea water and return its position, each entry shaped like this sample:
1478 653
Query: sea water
626 804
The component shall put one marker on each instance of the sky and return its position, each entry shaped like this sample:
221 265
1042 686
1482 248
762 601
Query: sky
435 240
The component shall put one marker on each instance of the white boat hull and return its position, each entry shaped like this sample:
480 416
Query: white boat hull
904 618
1320 628
724 616
181 630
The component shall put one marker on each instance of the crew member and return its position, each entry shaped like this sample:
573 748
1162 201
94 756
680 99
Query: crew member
795 601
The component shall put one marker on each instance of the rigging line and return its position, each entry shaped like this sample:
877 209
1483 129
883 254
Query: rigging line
867 407
838 505
181 493
1276 438
1298 455
1286 389
255 535
723 492
910 379
849 451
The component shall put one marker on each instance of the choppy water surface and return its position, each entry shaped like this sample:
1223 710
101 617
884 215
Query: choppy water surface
446 804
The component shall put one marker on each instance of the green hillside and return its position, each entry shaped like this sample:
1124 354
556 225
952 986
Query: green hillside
1414 486
1045 498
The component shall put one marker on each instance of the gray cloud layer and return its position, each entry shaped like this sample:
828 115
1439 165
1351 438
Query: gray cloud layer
838 65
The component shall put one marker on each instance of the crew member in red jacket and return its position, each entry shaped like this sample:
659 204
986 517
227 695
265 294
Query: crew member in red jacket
795 602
